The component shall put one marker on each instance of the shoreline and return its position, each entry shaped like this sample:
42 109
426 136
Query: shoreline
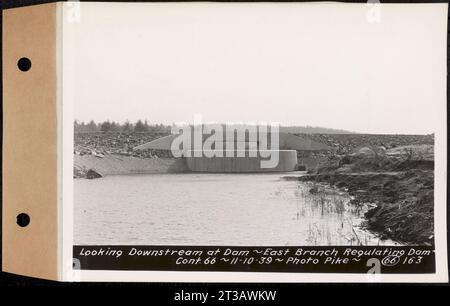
394 215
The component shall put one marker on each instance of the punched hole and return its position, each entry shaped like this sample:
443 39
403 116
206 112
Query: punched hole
23 219
24 64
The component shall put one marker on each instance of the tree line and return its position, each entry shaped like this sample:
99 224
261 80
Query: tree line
143 126
112 126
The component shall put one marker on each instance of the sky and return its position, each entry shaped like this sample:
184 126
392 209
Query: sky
345 66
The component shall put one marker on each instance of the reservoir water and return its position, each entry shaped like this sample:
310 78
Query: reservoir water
214 209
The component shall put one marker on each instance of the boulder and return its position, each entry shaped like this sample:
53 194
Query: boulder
92 174
365 152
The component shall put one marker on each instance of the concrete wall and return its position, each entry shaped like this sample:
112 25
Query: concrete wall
287 162
118 165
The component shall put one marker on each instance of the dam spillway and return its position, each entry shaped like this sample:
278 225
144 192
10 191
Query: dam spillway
287 145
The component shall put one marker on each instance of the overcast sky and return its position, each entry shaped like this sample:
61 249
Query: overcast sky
292 63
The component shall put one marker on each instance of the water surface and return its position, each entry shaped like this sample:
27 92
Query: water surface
214 209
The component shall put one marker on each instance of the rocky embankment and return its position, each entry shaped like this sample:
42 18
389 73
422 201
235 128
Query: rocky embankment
349 143
398 183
